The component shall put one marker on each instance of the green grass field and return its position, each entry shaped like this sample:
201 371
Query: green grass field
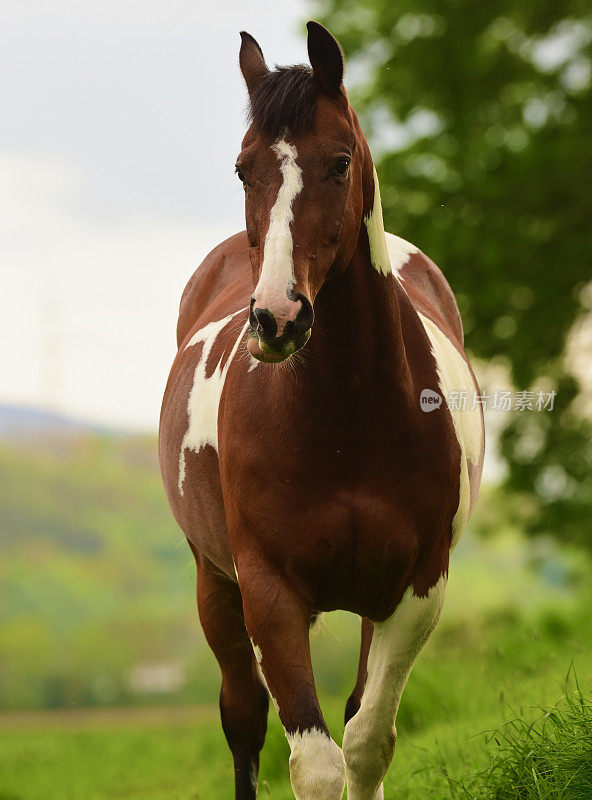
474 674
96 580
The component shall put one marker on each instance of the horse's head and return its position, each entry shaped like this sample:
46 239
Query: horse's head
306 171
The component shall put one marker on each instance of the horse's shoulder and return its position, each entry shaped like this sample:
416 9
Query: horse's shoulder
426 286
223 280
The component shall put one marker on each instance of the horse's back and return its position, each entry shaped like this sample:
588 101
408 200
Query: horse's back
221 284
426 286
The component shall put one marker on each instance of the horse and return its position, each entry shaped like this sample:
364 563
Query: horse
309 448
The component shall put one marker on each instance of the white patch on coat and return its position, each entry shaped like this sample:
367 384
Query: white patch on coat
400 251
317 766
455 376
277 270
388 253
370 735
379 254
259 660
204 397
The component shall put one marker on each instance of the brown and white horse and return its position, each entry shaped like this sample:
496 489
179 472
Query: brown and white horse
321 483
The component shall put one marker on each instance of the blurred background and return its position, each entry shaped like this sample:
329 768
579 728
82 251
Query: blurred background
121 125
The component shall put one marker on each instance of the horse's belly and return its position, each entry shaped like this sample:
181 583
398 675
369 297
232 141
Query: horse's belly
202 509
199 507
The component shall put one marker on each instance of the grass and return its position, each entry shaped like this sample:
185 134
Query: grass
93 585
548 757
470 675
545 758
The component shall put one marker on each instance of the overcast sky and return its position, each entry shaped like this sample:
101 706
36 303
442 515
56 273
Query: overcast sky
121 122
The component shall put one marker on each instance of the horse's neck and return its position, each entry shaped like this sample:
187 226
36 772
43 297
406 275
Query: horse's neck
357 313
358 321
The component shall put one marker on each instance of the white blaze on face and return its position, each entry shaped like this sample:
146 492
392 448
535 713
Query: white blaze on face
277 271
204 397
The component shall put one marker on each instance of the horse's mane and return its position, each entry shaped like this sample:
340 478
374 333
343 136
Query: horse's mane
284 99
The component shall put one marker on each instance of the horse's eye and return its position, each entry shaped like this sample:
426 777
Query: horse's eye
341 167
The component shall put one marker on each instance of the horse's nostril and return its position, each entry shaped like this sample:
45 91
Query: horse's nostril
265 322
305 318
252 316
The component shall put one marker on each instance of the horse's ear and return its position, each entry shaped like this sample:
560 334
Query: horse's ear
326 57
251 61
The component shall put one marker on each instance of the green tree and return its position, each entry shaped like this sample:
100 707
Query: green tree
480 114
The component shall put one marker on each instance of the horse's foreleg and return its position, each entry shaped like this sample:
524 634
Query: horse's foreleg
370 735
278 620
244 700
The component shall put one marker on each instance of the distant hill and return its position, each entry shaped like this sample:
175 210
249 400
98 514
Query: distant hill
24 421
96 581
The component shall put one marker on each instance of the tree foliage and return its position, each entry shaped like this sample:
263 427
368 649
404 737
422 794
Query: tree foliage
480 118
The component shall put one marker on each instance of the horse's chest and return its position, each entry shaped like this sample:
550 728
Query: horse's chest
337 484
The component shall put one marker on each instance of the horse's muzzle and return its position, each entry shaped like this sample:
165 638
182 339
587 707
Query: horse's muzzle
278 334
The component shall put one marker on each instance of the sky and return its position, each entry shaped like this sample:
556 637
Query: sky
121 122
